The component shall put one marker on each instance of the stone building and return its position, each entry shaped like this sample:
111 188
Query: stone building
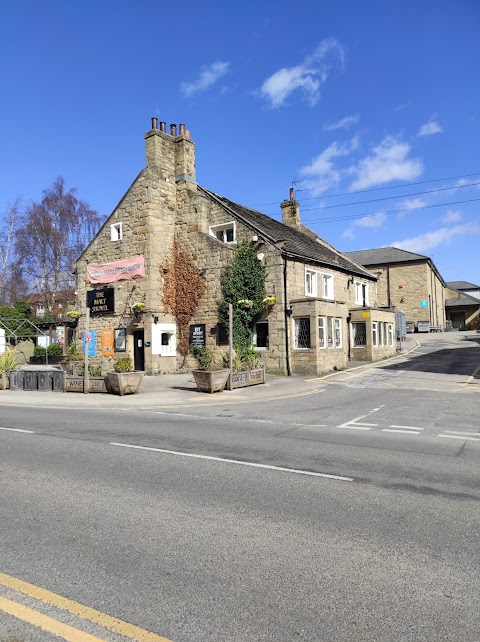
462 305
408 282
167 227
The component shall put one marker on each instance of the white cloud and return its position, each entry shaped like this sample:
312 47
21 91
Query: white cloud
308 76
322 171
451 217
432 127
371 222
208 77
431 240
413 204
388 162
343 123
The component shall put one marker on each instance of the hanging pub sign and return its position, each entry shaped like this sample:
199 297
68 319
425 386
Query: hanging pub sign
101 301
196 335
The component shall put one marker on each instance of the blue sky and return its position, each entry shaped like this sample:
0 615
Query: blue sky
355 101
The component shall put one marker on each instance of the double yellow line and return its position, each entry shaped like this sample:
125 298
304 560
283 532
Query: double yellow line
65 631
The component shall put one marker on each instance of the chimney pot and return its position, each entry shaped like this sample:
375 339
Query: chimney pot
154 123
163 126
173 130
291 194
182 129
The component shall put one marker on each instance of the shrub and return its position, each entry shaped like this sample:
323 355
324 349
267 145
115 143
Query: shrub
7 362
53 350
123 364
202 356
95 371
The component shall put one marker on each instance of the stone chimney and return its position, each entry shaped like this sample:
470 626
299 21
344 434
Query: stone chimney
291 211
172 154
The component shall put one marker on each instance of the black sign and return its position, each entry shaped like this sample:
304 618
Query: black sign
101 301
196 335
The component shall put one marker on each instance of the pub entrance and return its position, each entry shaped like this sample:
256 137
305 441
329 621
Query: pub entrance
139 350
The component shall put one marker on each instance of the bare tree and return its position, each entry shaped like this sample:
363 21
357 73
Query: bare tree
52 235
10 218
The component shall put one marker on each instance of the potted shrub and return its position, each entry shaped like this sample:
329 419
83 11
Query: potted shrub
124 380
54 353
7 363
208 377
247 370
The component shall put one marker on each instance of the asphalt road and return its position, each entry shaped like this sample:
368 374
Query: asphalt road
351 514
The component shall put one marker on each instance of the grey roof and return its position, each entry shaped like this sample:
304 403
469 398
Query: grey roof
464 300
385 255
462 285
304 245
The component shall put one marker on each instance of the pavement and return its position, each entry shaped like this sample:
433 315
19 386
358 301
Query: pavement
179 390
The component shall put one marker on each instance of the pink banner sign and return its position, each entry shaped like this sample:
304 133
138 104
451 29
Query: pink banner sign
116 270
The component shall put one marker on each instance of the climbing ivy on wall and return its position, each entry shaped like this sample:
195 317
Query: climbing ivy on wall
183 287
243 283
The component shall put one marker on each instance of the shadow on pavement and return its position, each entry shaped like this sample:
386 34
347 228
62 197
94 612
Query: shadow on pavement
453 361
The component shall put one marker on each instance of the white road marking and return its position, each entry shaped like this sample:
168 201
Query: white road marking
361 425
235 461
471 433
30 432
406 427
459 437
316 425
357 426
405 432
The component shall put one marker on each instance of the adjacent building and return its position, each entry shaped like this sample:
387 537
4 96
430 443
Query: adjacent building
408 282
168 228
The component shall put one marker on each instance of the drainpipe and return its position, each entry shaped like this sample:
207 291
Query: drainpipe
349 320
287 318
389 301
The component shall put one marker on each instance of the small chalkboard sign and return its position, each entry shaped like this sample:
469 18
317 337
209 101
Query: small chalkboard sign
196 335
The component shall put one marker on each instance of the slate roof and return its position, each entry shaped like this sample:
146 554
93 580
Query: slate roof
301 243
462 285
385 255
464 300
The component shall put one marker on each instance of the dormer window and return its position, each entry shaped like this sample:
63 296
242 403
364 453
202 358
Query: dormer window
225 233
116 232
361 293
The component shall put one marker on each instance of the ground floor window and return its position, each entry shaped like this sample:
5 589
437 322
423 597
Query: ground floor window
374 334
359 334
260 334
390 334
329 332
302 332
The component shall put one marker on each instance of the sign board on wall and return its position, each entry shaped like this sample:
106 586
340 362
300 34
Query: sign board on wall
108 343
424 304
116 270
120 339
101 301
89 340
196 335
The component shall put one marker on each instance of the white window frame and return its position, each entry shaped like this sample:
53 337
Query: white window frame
390 334
158 330
40 309
215 230
360 288
310 282
375 334
116 232
330 333
322 333
328 290
337 327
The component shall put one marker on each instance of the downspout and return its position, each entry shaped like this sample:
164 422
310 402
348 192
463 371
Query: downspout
286 317
389 301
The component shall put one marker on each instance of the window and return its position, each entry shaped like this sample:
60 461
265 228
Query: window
390 334
116 232
359 334
310 283
338 333
260 334
40 310
330 337
164 339
375 334
302 332
225 233
327 286
321 332
361 293
222 335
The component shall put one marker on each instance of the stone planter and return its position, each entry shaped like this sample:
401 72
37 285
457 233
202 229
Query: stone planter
245 378
125 383
96 384
211 380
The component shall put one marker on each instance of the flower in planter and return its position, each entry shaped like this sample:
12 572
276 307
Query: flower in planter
138 306
269 300
245 303
73 314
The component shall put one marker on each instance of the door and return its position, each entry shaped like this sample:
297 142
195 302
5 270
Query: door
458 320
139 350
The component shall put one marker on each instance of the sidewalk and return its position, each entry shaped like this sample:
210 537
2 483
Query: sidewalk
179 390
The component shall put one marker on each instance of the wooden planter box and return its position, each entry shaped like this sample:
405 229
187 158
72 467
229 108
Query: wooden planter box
125 383
96 384
246 378
211 380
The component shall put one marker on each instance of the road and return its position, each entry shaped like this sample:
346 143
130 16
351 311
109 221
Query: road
348 514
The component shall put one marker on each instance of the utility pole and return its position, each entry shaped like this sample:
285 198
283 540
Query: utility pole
86 379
